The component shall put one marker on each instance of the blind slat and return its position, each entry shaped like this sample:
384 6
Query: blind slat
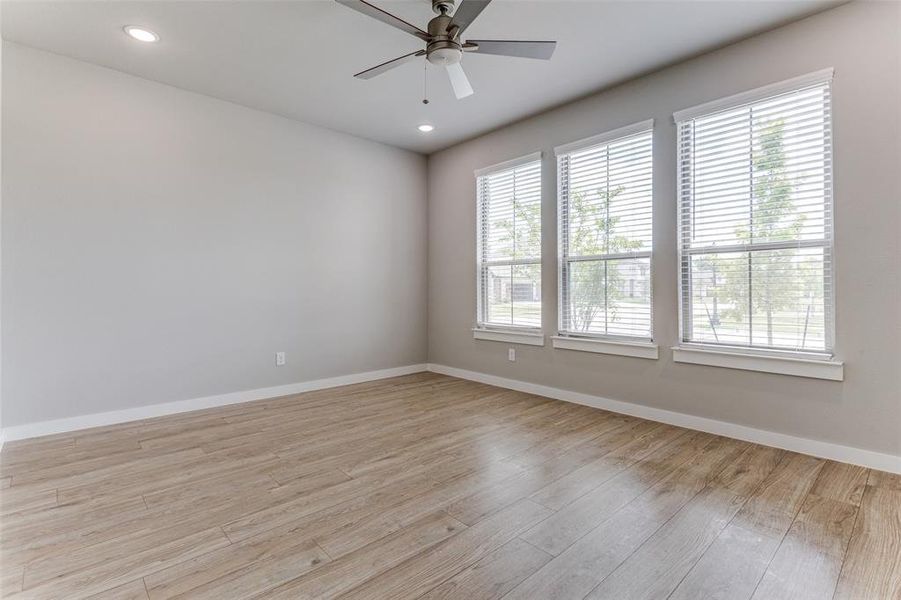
509 252
755 224
605 234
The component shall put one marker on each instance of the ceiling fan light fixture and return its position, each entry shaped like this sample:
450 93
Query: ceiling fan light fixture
425 128
444 56
141 34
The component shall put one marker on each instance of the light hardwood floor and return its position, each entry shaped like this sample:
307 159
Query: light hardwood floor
426 486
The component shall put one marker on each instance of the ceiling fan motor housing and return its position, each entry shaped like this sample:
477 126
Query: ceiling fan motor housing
443 39
443 49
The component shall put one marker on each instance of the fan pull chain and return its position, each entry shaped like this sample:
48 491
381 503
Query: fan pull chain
425 82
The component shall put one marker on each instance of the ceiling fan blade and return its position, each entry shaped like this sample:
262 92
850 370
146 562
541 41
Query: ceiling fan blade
375 12
523 49
467 12
459 81
386 66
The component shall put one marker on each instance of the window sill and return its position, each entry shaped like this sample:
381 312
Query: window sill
601 346
511 337
783 365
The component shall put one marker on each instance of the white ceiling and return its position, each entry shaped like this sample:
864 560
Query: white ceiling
297 58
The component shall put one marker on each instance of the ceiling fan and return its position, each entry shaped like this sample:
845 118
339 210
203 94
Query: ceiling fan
444 46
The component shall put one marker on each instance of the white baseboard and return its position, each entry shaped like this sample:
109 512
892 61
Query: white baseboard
846 454
30 430
837 452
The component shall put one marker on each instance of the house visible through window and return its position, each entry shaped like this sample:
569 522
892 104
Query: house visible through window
755 219
509 240
605 234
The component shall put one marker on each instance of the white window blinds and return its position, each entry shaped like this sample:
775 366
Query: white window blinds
755 220
605 200
509 244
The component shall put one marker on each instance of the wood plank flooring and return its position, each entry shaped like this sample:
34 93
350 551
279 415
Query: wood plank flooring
427 486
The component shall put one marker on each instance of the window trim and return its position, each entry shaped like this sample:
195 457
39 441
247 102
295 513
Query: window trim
761 93
605 137
606 345
601 342
756 358
491 331
798 364
509 164
528 337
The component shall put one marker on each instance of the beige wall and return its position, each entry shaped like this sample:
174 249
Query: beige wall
861 41
2 435
159 245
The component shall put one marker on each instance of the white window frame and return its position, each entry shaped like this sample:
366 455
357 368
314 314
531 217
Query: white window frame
801 363
488 331
637 346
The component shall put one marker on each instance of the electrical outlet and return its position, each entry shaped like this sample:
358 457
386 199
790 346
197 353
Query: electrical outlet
279 359
511 354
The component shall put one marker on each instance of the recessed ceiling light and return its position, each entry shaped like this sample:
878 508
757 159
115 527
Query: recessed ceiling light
425 128
141 34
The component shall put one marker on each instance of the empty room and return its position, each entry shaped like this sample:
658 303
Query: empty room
450 299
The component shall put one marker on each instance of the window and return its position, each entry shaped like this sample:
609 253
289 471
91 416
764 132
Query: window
605 234
509 240
755 219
